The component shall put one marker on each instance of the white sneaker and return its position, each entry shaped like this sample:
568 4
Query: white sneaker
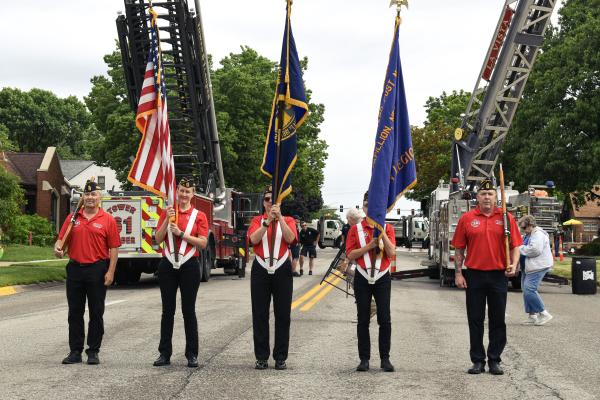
543 318
531 320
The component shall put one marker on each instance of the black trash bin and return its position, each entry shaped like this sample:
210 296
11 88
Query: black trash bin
583 272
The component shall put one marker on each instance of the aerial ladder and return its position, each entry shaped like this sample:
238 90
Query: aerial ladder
192 121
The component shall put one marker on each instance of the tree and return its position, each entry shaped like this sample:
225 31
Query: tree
118 138
12 199
5 143
243 90
556 131
432 142
38 119
243 93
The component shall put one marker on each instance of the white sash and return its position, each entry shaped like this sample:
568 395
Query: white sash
183 257
367 258
265 245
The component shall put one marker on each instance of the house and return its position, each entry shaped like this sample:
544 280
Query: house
46 191
77 172
589 215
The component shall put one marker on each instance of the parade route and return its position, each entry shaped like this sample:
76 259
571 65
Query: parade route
429 346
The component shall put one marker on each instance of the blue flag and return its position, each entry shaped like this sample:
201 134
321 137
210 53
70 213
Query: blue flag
290 97
394 170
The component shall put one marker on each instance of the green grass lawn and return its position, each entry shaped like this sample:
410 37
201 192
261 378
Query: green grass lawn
24 274
563 268
19 252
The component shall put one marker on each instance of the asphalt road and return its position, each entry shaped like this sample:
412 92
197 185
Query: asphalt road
429 346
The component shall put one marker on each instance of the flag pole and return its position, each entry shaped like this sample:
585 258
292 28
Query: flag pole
279 132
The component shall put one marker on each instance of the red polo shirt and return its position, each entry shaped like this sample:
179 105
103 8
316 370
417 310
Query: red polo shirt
199 229
353 243
258 248
90 239
483 237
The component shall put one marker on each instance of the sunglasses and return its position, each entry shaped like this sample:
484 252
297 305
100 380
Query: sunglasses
267 198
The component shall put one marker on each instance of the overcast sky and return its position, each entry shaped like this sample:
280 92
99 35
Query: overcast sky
59 46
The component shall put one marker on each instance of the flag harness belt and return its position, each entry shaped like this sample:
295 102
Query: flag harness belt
182 258
265 245
367 258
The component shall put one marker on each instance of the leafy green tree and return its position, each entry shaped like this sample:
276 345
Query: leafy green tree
5 143
38 119
432 142
12 199
117 137
243 93
556 131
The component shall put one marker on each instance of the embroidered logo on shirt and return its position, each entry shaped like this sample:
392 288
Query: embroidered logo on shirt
499 222
97 225
475 223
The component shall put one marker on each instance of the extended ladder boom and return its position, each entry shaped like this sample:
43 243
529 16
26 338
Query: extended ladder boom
499 88
194 135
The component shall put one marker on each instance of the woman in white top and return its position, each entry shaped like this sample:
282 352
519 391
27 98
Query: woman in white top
538 261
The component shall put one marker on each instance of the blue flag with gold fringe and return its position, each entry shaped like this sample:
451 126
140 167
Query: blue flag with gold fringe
291 99
394 169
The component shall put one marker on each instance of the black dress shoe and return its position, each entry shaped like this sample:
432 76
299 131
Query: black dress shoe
386 365
93 358
363 366
261 364
494 368
280 364
74 357
162 360
477 368
192 361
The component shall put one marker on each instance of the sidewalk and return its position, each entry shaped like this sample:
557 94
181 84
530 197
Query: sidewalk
9 263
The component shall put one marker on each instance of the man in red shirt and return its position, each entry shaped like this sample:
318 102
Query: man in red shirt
372 279
93 242
271 276
481 232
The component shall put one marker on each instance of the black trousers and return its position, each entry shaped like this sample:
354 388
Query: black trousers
187 279
490 287
86 281
262 287
363 293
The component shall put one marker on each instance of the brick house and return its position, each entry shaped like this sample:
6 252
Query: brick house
589 214
47 193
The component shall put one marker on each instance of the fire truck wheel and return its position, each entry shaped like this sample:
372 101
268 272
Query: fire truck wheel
133 276
516 282
206 261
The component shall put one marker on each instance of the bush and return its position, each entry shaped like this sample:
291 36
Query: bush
590 249
42 231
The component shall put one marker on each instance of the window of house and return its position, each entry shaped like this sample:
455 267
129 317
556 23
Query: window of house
102 182
590 226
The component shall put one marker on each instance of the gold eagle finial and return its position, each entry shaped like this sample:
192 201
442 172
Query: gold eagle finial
399 3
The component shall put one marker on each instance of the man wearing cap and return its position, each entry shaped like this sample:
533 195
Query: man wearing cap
93 242
481 233
360 247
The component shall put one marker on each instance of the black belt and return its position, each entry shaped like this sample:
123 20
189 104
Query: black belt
71 261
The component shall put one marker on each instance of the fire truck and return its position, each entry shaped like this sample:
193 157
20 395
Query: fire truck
194 139
478 142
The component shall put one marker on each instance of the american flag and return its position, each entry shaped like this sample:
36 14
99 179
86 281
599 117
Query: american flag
153 168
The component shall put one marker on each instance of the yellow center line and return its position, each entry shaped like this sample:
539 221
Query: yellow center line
310 293
309 304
